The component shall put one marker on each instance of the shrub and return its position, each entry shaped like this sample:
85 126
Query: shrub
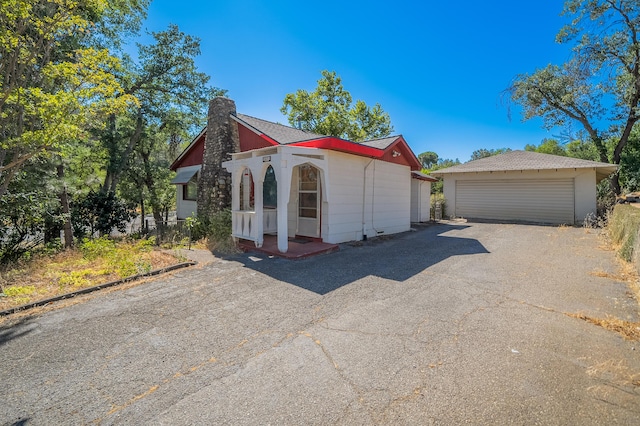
75 279
217 230
92 249
19 290
100 212
438 198
119 258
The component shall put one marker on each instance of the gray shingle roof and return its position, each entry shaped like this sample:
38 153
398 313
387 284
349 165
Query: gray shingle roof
381 143
286 135
525 160
278 132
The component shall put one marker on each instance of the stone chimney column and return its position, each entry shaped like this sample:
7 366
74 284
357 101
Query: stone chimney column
214 184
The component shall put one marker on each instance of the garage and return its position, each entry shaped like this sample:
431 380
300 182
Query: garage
522 186
543 201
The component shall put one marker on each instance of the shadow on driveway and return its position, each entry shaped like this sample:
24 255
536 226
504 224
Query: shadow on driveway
397 258
10 331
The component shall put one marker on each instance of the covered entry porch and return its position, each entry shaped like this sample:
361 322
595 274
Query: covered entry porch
279 191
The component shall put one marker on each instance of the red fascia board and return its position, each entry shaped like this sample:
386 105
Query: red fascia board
187 151
336 144
268 139
411 157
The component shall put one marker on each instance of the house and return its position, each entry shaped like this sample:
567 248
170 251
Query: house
293 183
524 186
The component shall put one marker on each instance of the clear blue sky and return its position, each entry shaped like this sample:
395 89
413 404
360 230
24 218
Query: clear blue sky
438 68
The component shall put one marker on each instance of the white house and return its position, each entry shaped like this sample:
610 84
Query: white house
293 183
524 186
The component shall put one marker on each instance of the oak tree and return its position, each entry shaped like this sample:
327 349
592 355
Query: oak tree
329 110
599 86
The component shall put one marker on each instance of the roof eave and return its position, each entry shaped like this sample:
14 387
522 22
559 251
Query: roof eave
600 171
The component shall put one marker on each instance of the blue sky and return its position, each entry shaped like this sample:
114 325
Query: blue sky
437 68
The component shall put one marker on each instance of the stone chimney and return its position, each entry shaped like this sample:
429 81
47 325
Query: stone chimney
214 184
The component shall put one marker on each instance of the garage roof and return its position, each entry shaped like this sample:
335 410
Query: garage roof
525 160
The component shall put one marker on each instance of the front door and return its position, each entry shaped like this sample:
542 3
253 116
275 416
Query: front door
308 201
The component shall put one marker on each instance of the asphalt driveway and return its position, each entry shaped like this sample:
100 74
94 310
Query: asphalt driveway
453 323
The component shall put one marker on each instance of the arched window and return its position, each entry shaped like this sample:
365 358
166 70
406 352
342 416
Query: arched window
270 189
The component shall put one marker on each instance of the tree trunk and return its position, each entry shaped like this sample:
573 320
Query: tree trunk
150 183
64 204
143 225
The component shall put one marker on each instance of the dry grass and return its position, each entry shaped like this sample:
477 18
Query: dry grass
627 329
629 275
65 272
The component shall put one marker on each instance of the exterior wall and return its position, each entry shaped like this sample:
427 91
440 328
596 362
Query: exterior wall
249 140
185 208
385 189
420 200
585 196
584 186
194 156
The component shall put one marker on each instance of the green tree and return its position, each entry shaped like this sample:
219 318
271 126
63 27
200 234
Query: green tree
483 153
52 85
57 82
630 163
548 146
328 110
428 159
441 163
173 97
584 149
599 86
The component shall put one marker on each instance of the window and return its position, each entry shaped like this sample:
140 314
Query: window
270 189
246 191
308 192
190 190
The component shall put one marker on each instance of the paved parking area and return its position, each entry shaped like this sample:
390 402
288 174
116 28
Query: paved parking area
453 323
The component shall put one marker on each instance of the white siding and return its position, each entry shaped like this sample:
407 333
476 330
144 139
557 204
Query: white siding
420 200
545 196
386 191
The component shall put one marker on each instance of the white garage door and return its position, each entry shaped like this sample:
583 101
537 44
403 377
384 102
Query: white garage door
542 201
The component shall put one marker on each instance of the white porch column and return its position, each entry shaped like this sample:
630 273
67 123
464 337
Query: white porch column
258 183
236 179
283 176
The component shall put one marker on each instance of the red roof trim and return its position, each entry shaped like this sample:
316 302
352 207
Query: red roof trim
336 144
410 158
268 139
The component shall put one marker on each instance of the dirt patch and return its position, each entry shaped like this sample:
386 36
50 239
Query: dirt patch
51 276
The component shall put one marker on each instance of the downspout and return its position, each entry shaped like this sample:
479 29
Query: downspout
364 192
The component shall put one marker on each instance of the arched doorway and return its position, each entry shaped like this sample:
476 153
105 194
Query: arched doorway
309 202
